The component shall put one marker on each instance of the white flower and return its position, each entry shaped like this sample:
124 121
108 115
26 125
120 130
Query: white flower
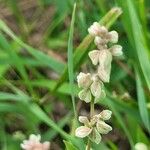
140 146
116 50
34 143
94 29
84 80
113 36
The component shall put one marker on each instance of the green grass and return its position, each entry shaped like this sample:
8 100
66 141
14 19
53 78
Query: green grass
38 90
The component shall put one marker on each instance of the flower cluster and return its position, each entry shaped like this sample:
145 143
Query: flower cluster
103 55
34 143
95 127
92 88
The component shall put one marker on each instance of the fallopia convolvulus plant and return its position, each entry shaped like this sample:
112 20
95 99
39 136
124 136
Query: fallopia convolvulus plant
92 85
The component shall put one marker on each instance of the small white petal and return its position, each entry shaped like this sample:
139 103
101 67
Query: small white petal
82 131
96 88
116 50
113 36
85 95
105 114
84 119
104 74
141 146
94 29
102 127
96 136
84 80
94 56
35 138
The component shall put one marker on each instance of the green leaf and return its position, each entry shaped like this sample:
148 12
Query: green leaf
142 102
69 146
70 60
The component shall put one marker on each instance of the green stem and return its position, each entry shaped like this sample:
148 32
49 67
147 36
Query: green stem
91 115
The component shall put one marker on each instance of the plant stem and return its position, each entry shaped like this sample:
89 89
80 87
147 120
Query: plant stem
91 115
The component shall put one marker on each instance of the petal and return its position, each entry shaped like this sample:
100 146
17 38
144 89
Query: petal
84 119
35 138
84 80
105 114
82 131
94 56
95 136
104 74
103 128
116 50
85 95
96 88
113 36
94 29
99 41
105 58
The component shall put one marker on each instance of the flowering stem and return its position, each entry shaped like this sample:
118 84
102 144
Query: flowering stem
91 115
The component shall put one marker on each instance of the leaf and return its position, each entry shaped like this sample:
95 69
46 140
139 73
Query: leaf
142 102
69 146
70 61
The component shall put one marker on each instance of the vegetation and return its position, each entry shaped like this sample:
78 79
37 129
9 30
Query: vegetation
44 45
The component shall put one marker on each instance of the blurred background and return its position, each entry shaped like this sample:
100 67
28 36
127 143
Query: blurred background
35 95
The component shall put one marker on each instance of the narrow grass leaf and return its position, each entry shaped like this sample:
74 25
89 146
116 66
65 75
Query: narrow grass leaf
70 60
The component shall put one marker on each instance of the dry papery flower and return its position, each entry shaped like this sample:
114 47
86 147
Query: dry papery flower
33 143
92 87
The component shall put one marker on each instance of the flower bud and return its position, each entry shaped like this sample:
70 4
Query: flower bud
103 128
83 131
84 80
140 146
85 95
94 29
105 114
94 56
84 120
113 36
116 50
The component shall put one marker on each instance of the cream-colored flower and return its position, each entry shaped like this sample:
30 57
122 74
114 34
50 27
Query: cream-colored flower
84 80
94 56
97 30
85 95
141 146
113 37
116 50
34 143
94 127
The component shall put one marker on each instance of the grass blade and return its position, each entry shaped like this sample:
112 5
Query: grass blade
70 60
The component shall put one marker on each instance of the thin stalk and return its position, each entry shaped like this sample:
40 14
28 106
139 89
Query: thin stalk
91 115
